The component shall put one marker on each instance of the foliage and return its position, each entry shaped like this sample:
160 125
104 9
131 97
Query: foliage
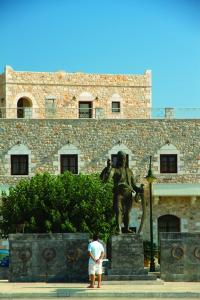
147 249
63 203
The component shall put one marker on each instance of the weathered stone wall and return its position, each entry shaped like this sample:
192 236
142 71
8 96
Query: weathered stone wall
181 207
180 256
2 90
133 91
96 139
48 257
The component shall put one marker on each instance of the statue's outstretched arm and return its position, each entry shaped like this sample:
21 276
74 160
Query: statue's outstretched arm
107 174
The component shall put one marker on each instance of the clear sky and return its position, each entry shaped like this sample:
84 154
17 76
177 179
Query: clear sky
108 36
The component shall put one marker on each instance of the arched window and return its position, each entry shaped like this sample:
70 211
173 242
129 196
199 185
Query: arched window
24 108
168 223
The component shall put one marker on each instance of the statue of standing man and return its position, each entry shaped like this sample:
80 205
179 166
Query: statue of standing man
124 187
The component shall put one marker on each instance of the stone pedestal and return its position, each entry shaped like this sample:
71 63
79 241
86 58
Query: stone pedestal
127 258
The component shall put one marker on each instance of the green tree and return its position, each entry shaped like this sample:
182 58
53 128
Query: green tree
90 203
62 203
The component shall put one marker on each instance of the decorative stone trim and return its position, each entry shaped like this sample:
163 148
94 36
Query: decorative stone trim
49 254
168 149
184 224
197 252
177 252
19 149
85 96
124 148
68 149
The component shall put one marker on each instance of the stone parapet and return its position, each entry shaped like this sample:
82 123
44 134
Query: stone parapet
79 78
180 256
60 257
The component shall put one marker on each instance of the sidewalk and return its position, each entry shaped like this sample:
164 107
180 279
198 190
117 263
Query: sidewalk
133 289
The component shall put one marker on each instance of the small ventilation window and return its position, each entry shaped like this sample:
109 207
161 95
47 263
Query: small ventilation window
115 107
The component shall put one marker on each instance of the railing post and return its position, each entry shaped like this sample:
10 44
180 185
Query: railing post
169 113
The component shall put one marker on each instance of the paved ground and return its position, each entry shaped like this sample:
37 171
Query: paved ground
102 298
131 290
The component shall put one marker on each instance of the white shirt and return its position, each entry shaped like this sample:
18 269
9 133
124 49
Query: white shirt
95 248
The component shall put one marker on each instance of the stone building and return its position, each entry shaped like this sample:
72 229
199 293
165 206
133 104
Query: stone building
58 95
57 121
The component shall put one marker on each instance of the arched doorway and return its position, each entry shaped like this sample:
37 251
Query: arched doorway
24 108
168 223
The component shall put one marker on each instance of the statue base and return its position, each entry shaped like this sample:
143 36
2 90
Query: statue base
126 255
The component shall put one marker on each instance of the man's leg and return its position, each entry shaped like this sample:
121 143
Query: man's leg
92 279
91 269
99 272
99 280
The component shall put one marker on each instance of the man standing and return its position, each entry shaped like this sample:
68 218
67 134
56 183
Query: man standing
96 254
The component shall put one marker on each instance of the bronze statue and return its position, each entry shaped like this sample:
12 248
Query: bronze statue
123 190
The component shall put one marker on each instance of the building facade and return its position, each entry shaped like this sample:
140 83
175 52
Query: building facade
58 95
81 140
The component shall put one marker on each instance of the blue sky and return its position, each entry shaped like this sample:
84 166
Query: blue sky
108 36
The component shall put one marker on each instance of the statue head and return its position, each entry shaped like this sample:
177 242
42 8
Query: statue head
121 158
121 154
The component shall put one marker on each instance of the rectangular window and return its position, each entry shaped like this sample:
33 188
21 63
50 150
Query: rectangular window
85 109
69 163
19 164
114 160
168 163
115 106
50 107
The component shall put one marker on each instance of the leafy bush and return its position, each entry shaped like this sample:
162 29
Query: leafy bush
63 203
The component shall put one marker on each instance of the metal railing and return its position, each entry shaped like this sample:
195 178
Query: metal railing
99 113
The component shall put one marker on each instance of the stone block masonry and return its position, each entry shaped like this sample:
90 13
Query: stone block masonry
127 258
96 138
66 90
180 256
60 257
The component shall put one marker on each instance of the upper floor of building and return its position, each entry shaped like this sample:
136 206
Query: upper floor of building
63 95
